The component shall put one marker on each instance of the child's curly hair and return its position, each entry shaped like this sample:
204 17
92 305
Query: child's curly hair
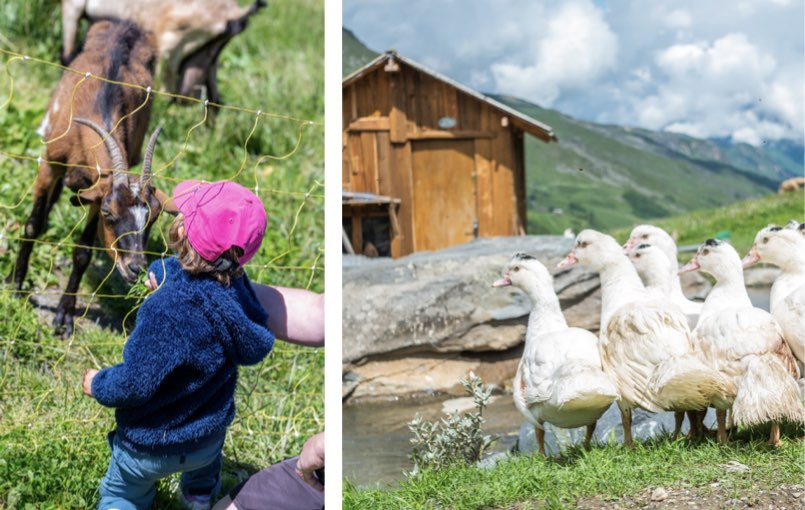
223 269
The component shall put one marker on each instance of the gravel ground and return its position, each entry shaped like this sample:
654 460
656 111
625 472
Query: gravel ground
713 497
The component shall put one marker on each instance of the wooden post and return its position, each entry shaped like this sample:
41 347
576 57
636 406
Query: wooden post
397 115
357 231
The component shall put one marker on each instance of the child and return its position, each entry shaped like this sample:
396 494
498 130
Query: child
174 391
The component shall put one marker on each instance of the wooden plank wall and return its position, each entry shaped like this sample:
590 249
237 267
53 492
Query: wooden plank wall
380 161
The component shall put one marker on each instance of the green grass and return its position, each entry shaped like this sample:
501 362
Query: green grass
611 471
53 449
742 220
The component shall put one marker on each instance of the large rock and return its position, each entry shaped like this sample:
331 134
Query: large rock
443 301
427 374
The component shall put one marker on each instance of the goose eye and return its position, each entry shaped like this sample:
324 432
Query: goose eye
582 244
637 255
765 240
705 252
644 236
516 268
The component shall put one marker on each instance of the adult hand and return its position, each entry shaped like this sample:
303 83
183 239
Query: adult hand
311 459
89 374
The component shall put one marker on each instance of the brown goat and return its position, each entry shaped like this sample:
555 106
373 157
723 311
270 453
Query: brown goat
792 184
121 207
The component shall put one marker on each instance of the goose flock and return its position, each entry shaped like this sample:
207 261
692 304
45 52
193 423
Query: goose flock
659 351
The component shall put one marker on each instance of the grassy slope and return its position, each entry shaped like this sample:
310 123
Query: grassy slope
611 471
599 181
52 439
742 220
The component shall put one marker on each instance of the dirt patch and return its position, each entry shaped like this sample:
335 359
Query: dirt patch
712 497
102 311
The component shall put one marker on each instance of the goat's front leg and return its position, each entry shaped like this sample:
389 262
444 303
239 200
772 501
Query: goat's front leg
82 254
47 189
212 80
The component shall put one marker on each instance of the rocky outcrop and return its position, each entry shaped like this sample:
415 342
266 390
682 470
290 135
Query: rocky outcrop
443 301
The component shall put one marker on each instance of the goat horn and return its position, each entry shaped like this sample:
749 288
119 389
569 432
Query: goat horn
118 178
149 156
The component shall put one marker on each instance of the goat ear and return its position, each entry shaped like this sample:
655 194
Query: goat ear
86 197
167 202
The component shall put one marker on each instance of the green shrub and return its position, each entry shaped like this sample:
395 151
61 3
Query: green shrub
458 438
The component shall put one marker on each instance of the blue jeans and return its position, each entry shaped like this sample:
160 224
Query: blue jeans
130 481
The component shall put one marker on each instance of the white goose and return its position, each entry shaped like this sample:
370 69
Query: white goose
746 344
660 238
655 269
785 248
559 379
645 342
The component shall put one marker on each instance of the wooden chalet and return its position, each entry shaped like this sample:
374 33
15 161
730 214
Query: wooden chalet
427 162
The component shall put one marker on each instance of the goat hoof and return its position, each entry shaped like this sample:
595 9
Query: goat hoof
63 324
10 281
16 287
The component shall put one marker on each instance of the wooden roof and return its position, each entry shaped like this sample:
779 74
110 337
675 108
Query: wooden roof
528 124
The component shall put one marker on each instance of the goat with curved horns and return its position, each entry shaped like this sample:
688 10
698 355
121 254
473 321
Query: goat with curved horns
121 206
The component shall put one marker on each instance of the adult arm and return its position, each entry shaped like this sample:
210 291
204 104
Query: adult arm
294 315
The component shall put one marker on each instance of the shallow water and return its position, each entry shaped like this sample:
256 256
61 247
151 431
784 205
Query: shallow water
376 439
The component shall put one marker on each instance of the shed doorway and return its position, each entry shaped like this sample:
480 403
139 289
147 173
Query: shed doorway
444 198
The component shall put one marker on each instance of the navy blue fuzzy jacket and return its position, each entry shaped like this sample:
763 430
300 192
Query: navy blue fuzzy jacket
174 391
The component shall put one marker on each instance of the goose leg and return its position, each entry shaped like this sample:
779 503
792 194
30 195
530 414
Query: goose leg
700 416
774 436
589 436
626 419
695 431
540 440
679 417
721 419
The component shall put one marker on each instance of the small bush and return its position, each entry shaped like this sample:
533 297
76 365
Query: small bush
457 438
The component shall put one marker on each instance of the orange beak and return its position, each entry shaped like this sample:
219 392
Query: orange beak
567 261
693 265
751 258
502 282
628 245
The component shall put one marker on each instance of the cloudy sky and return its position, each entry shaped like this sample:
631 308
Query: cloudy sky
707 68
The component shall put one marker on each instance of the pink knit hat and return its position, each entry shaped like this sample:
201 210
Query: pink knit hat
220 215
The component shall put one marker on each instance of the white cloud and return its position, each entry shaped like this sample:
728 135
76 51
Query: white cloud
576 47
678 19
717 89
